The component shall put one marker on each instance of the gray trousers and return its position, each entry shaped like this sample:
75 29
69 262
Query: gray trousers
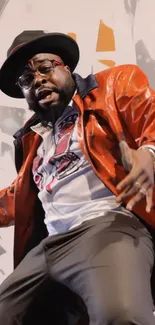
106 261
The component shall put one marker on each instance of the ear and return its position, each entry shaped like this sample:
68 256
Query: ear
67 68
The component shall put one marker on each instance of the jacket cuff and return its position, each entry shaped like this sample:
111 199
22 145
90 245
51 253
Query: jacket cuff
149 146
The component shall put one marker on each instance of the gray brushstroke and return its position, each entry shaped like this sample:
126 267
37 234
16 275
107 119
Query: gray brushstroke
7 148
3 4
11 119
2 272
2 250
145 61
130 7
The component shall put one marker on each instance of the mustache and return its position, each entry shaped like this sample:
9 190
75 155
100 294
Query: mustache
44 88
33 106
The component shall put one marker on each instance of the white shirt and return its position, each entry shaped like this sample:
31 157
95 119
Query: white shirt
69 190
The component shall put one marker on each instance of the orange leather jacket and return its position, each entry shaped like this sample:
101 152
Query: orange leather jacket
114 105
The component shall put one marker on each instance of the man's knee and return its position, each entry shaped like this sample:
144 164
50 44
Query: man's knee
4 311
131 314
7 313
126 314
120 314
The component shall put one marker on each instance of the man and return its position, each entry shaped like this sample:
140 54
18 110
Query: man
87 154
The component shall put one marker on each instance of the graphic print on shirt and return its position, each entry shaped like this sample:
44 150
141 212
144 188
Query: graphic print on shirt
38 177
63 162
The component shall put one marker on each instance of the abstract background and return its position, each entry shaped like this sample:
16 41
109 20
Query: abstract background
109 33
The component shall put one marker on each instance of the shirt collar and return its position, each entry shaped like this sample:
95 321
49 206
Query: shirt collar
41 129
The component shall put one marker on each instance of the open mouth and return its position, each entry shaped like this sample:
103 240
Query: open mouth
44 94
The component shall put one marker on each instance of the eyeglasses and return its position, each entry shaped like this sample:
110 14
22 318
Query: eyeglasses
26 80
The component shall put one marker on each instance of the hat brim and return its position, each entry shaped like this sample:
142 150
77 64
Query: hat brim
55 43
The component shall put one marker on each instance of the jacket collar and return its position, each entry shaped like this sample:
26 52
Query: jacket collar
84 86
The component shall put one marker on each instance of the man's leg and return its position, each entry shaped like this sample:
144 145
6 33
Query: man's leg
107 262
22 286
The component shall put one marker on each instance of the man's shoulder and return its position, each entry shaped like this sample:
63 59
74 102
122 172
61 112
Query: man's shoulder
127 74
124 68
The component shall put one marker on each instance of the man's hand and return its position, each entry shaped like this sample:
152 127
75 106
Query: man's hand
140 180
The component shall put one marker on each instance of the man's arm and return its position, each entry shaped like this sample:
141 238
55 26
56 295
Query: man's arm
7 205
135 101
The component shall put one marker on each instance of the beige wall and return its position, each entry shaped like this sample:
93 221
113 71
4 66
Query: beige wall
109 33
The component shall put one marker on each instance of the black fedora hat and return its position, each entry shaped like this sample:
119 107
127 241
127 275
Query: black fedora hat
25 46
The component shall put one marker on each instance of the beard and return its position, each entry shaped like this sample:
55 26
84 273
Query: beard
50 112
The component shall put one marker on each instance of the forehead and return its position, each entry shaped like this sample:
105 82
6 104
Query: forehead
45 56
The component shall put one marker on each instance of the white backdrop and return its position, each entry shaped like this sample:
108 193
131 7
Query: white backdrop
109 33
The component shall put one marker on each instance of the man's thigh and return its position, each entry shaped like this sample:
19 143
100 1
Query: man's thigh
109 265
20 288
58 305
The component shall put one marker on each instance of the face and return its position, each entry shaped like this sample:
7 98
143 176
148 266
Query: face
50 86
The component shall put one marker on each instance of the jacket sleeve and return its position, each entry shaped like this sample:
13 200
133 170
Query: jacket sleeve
7 205
135 101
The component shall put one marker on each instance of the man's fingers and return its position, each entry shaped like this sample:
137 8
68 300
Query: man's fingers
147 192
149 199
139 182
128 192
140 189
138 197
131 181
127 182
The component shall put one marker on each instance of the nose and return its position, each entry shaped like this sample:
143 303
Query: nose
39 80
